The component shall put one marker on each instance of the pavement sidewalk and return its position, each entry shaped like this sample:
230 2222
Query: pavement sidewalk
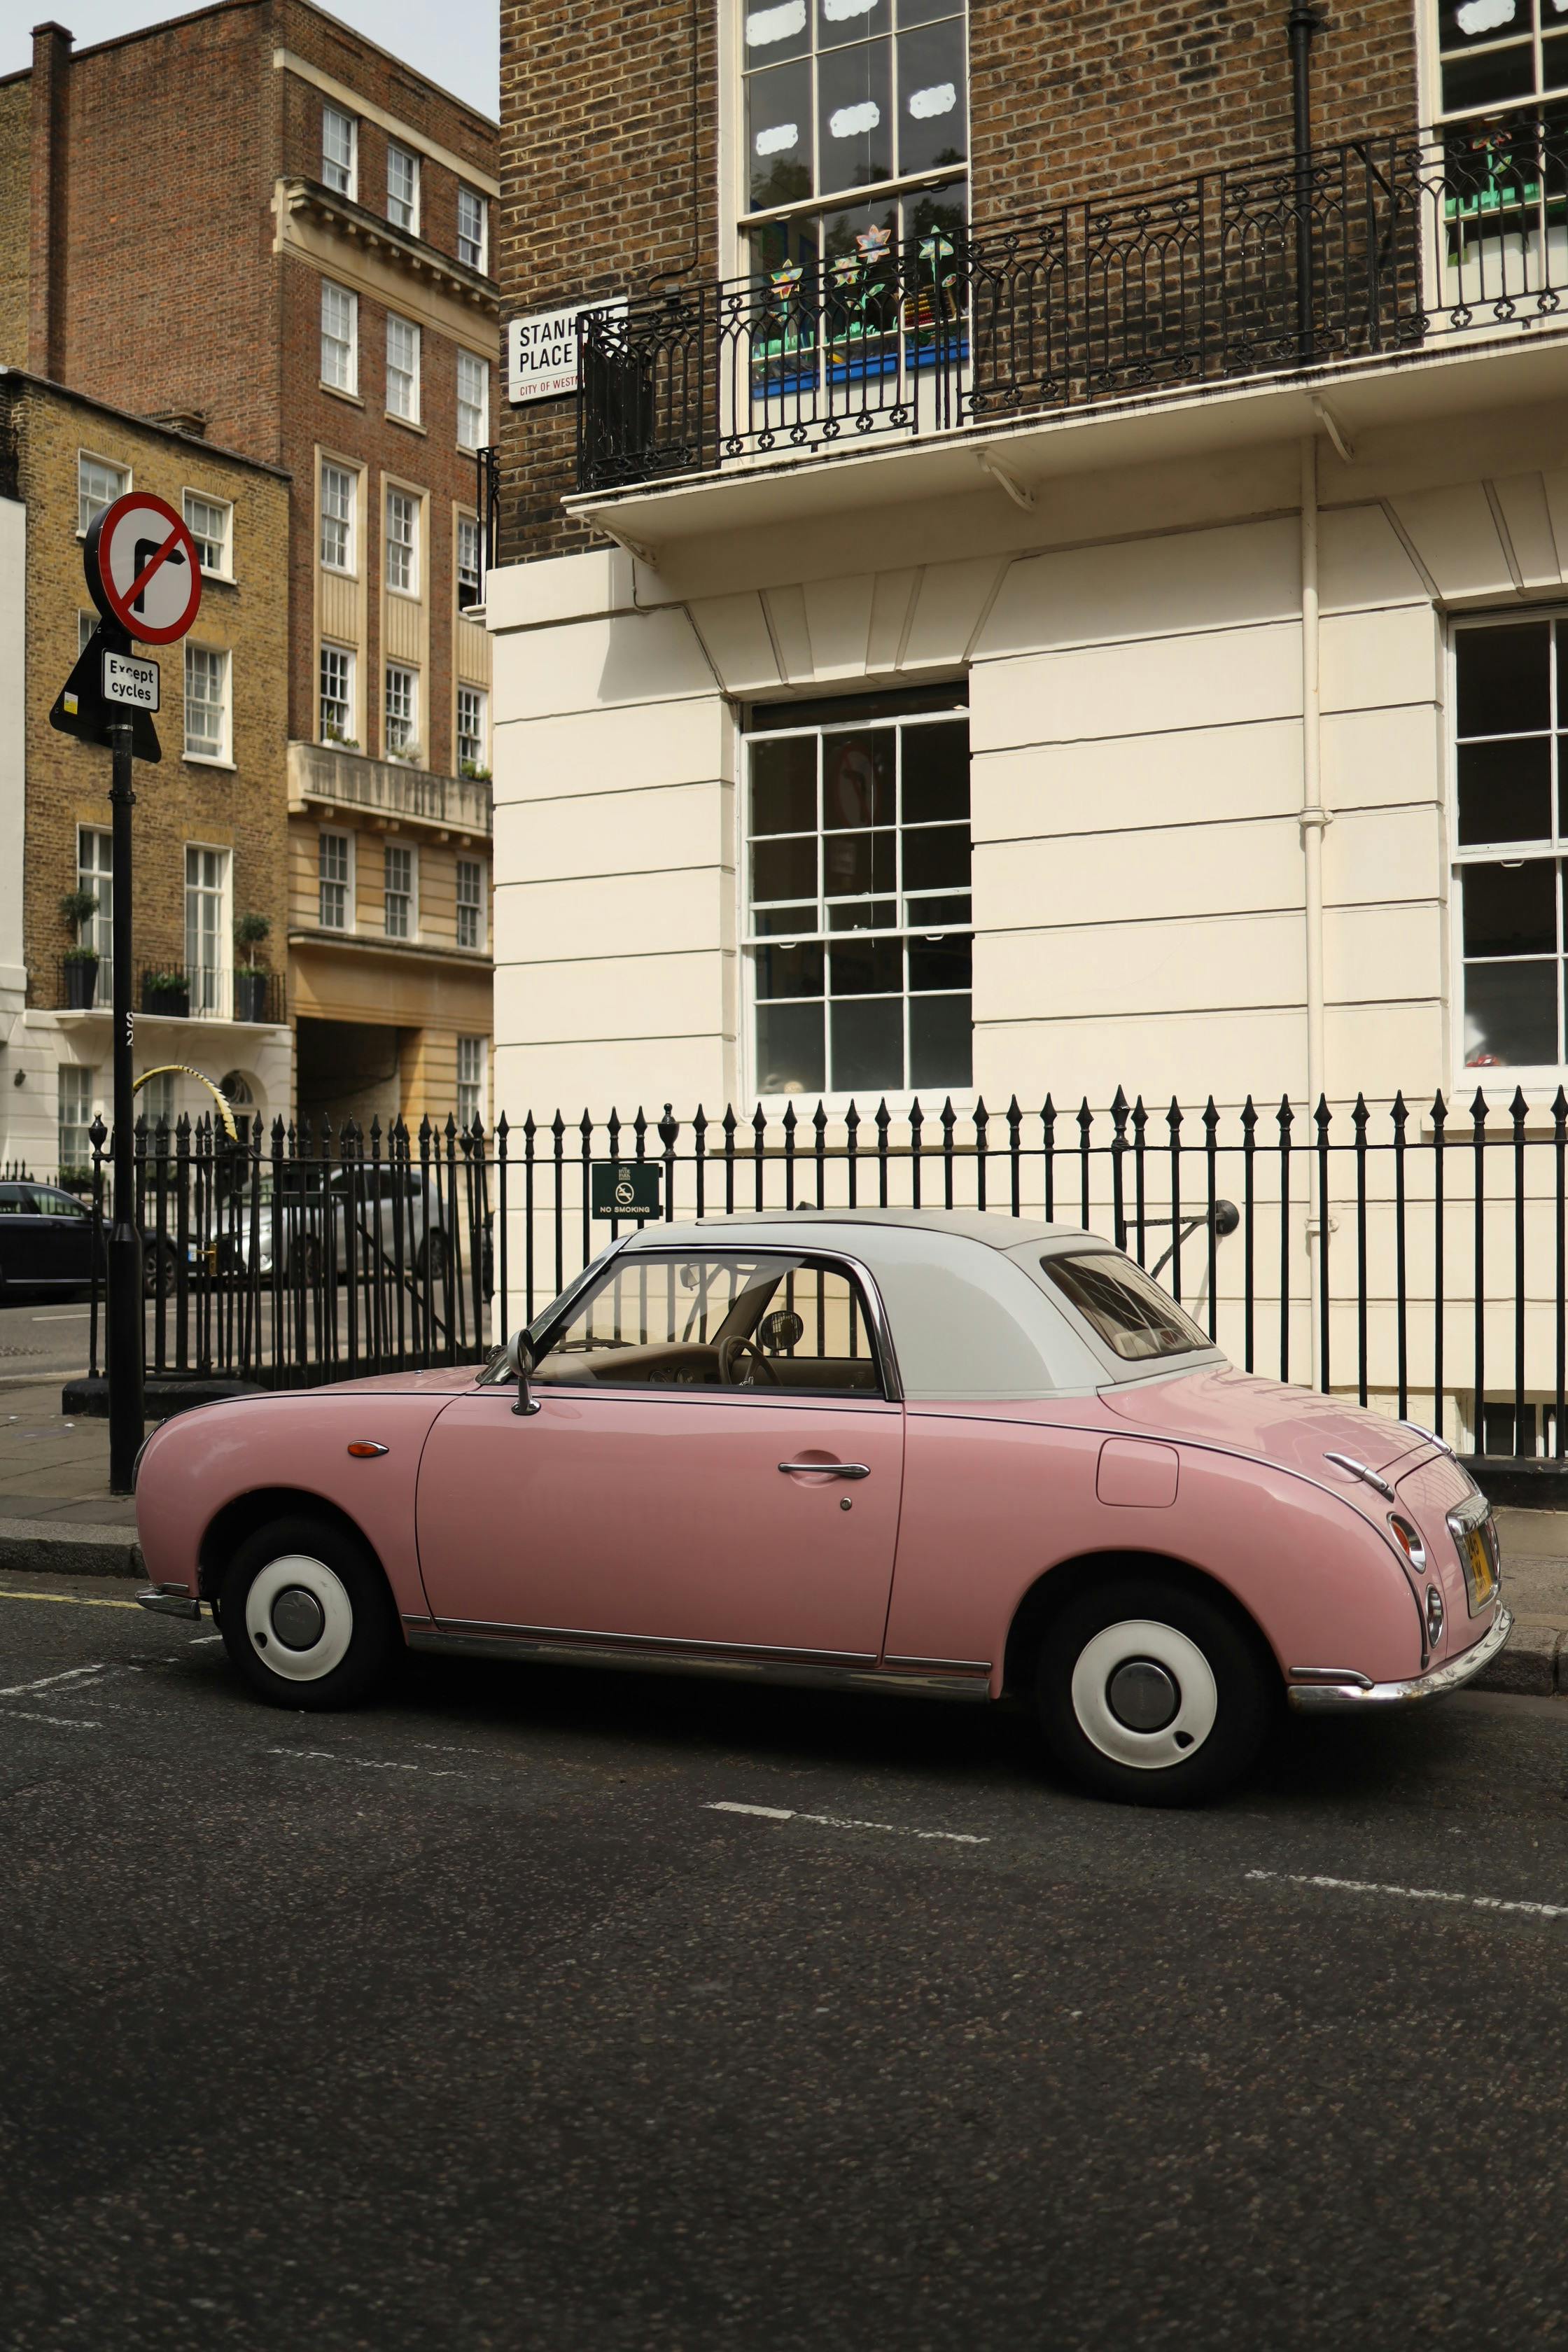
57 1517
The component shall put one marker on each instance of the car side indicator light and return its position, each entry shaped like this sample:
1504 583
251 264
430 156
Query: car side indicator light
365 1449
1409 1540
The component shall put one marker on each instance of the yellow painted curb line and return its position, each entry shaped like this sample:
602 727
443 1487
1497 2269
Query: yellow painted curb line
71 1599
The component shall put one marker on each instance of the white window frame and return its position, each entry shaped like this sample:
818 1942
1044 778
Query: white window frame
482 734
473 1087
96 872
466 521
84 520
335 835
210 984
85 625
411 374
349 343
411 751
224 756
398 154
349 569
81 1076
349 185
467 406
351 674
474 907
409 546
391 849
481 244
224 508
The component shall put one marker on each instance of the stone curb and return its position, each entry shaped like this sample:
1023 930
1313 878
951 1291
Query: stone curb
1530 1666
53 1547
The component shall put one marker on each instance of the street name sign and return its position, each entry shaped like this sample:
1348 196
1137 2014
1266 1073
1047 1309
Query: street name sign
541 350
625 1188
143 570
131 679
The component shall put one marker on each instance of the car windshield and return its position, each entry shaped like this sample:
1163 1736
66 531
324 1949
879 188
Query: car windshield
1129 1310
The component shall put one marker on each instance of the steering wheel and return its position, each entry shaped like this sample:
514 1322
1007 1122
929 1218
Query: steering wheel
738 1349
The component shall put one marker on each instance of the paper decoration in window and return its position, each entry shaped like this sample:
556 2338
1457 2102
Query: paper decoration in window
781 135
940 99
850 122
1485 16
765 25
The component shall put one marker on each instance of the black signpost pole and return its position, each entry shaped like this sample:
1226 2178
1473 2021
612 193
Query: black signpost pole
126 1398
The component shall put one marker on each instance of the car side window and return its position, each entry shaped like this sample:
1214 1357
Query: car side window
773 1323
14 1201
58 1204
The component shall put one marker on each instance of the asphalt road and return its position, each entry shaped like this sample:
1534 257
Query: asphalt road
37 1339
476 2019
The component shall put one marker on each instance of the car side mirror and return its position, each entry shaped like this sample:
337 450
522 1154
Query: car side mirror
526 1399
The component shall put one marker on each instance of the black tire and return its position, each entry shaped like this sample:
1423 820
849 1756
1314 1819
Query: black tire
1186 1752
341 1579
158 1271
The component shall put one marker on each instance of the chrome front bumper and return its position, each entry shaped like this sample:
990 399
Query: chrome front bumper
170 1600
1348 1696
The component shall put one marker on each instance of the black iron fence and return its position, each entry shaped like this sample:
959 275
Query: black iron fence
1411 1257
1378 245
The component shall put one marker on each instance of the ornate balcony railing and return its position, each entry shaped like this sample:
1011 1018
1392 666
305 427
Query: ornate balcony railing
1375 246
325 775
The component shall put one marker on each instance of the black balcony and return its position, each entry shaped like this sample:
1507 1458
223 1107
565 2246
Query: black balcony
1377 247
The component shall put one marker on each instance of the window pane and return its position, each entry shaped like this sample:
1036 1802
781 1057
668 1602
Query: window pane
778 134
1511 910
867 968
1482 80
1125 1306
789 972
1510 1012
1505 791
850 20
936 773
784 785
790 1059
783 869
854 115
1503 679
1462 25
941 1041
863 915
938 914
857 863
1554 64
941 963
857 780
933 118
921 12
785 922
776 32
868 1042
938 859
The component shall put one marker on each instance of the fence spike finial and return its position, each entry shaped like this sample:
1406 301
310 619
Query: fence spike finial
1519 1110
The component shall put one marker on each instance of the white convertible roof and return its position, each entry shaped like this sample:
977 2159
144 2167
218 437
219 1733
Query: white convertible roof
971 1319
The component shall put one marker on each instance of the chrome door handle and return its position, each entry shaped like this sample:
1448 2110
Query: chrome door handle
831 1469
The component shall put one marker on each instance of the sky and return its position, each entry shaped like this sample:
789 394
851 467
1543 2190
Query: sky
455 42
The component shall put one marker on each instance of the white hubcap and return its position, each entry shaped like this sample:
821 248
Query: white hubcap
1144 1694
298 1617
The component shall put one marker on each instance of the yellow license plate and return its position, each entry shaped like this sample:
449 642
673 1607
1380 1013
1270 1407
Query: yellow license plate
1480 1569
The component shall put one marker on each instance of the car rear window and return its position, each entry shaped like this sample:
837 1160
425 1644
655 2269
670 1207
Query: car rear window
1130 1312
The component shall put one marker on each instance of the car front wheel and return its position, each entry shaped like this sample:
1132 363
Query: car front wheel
1151 1692
305 1616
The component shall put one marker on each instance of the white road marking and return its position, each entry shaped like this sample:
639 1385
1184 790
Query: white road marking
71 1674
842 1822
197 1639
64 1315
61 1722
365 1763
1414 1893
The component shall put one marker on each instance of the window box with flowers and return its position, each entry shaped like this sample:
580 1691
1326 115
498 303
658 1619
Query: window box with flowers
78 908
250 977
167 994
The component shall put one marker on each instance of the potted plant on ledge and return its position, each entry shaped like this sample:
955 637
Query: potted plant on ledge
78 908
168 994
250 977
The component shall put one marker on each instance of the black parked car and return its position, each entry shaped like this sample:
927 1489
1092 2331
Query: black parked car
46 1243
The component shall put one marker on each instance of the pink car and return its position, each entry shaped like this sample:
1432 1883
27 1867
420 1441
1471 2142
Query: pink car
953 1453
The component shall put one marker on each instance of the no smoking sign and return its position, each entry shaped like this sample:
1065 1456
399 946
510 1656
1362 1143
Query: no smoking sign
143 570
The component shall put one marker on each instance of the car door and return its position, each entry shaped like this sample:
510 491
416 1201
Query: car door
63 1230
671 1489
19 1222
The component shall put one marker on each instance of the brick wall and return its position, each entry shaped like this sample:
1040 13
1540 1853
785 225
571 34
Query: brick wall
242 808
597 198
15 148
1067 97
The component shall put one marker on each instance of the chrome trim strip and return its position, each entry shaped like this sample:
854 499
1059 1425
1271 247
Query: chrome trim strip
830 1469
1323 1699
943 1666
1331 1675
1348 1463
796 1670
177 1604
486 1627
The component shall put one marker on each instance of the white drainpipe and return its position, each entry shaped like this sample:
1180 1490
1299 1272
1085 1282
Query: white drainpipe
1314 817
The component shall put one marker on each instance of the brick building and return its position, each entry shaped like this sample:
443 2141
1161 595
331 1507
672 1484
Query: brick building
1057 577
307 280
211 818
